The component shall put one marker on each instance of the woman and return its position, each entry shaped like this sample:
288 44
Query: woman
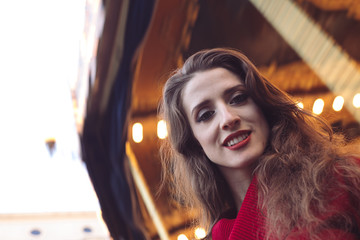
256 165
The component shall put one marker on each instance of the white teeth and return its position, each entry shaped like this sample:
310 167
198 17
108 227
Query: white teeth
237 140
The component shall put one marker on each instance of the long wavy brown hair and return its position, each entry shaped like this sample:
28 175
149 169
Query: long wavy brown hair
301 165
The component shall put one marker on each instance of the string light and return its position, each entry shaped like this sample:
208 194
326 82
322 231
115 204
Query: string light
182 237
318 106
356 100
300 105
338 103
161 129
137 132
200 233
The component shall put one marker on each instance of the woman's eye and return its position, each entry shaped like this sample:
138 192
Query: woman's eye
240 98
204 115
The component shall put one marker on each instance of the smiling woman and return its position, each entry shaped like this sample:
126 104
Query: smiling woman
255 164
226 122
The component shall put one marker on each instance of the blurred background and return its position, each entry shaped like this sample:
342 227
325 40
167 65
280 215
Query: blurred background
46 192
80 85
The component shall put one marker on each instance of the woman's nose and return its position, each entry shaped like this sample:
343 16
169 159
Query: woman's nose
230 118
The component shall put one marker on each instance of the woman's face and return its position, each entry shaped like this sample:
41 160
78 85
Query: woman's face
229 126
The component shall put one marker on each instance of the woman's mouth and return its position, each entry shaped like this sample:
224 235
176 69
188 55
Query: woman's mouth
237 140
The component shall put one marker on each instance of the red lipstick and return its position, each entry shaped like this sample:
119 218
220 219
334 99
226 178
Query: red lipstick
239 144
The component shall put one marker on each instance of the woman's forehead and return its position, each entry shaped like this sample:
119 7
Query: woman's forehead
219 76
208 84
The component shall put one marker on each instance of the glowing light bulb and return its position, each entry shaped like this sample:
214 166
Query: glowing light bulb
200 233
182 237
356 100
137 132
338 103
161 129
300 105
318 106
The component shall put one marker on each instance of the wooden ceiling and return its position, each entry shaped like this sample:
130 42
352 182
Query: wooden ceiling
181 27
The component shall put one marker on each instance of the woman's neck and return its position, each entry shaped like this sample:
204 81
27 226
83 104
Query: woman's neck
239 181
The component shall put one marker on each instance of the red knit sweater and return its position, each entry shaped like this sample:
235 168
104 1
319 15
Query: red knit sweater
249 223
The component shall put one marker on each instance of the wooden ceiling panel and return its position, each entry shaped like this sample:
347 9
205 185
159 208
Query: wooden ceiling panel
163 45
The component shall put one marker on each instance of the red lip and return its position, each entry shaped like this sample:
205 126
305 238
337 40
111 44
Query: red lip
240 144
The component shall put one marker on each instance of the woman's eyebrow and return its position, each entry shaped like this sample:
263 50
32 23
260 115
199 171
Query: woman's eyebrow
226 92
199 105
234 89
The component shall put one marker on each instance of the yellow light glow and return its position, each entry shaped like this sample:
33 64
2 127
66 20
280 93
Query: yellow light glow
200 233
318 106
161 129
338 103
182 237
356 100
137 132
300 105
